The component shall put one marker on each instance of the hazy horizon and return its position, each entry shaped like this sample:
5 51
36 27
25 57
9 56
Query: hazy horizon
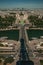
21 4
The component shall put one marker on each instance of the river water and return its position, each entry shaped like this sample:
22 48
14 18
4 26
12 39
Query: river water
11 34
14 34
34 33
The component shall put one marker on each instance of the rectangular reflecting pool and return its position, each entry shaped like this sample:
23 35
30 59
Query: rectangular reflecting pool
11 34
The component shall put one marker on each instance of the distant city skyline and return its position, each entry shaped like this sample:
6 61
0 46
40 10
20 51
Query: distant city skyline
21 4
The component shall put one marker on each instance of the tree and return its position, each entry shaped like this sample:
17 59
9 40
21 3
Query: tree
36 21
1 45
11 19
9 60
0 61
40 51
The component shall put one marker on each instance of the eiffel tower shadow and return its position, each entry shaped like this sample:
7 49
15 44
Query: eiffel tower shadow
24 58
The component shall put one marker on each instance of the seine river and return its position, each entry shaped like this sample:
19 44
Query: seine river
34 33
14 34
11 34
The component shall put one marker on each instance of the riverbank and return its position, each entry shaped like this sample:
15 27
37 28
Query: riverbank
36 28
19 29
9 29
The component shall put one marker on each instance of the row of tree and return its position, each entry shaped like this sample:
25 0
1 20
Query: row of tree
5 60
36 21
7 21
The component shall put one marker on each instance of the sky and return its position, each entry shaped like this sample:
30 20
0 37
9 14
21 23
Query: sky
21 4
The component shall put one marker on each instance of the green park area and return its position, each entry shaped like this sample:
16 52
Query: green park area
22 22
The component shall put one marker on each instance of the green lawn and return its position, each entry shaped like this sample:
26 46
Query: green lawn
41 62
22 22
